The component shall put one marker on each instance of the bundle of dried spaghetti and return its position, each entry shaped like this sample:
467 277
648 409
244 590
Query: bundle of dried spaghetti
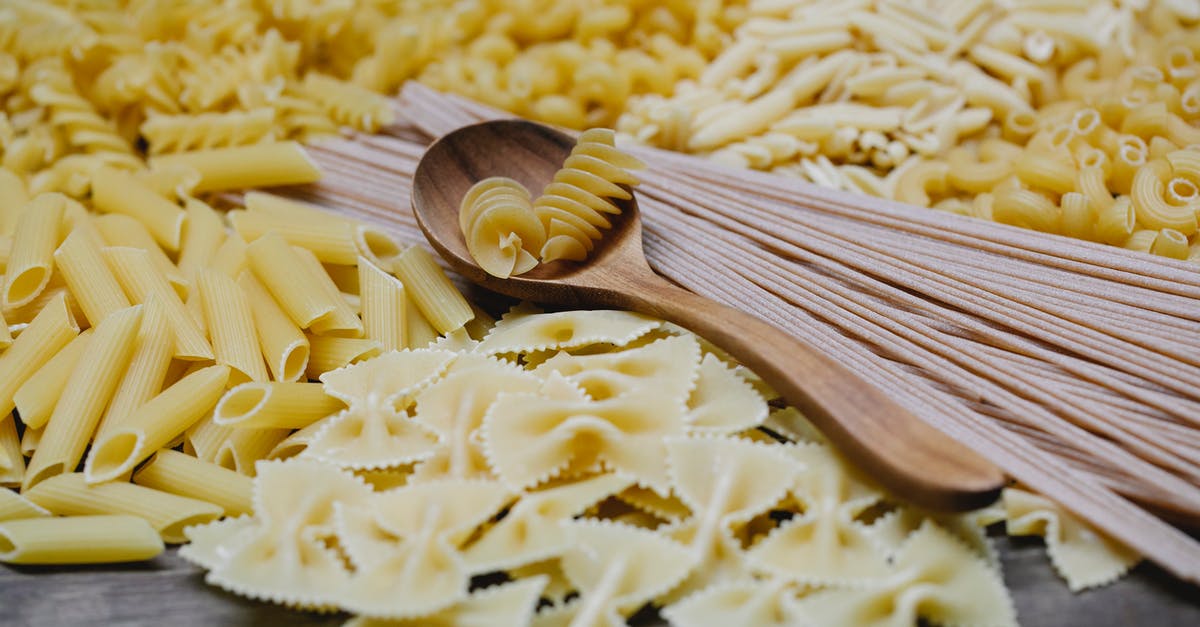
1065 363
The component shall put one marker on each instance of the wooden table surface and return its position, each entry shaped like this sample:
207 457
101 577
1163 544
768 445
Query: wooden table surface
169 591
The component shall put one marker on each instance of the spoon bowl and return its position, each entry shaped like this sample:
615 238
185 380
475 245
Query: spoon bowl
902 452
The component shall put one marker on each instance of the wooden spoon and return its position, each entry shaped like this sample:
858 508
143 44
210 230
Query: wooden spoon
906 455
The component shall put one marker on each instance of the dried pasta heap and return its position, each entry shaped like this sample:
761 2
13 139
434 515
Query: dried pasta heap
1076 118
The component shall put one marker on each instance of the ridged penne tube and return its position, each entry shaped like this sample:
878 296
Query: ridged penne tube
13 197
153 425
280 340
115 191
1150 205
280 207
231 326
78 540
1026 208
342 320
204 438
89 278
383 308
14 506
331 242
330 353
47 334
428 286
12 461
30 440
275 405
240 167
374 244
230 256
419 333
177 473
31 260
5 334
35 399
70 495
244 447
122 230
277 265
147 369
203 234
141 281
92 383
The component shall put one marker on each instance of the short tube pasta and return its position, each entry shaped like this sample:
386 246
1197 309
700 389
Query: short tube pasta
32 257
342 319
428 286
176 473
93 381
69 495
239 167
1148 194
153 425
36 398
203 236
78 540
330 353
119 192
147 367
1022 207
45 336
92 283
231 325
275 406
383 308
121 230
141 280
276 264
330 241
280 340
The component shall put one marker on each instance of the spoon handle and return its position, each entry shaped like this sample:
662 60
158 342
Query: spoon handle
905 454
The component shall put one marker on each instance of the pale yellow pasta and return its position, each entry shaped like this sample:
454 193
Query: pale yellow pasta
431 290
1170 243
977 177
231 326
51 330
1115 223
1185 163
502 232
35 399
1131 154
12 460
92 383
1027 208
121 230
383 306
1150 205
155 424
13 197
176 473
280 340
202 236
330 353
331 242
88 277
70 495
78 540
242 450
1078 216
142 281
420 333
115 191
275 405
1091 184
14 506
342 320
230 257
204 439
1141 240
147 369
1045 172
915 184
5 334
239 167
282 271
31 259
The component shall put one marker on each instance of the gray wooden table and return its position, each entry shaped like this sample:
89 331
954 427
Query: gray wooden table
169 591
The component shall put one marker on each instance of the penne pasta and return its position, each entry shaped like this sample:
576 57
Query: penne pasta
5 334
168 514
31 260
280 340
87 276
78 540
176 473
13 197
342 320
203 235
141 281
13 506
231 325
240 167
204 439
418 332
36 398
230 257
383 306
330 241
45 336
155 424
115 191
244 447
147 369
276 265
428 286
330 353
93 381
121 230
275 406
12 461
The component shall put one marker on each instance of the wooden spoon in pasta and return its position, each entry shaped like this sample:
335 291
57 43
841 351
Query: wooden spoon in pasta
905 454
